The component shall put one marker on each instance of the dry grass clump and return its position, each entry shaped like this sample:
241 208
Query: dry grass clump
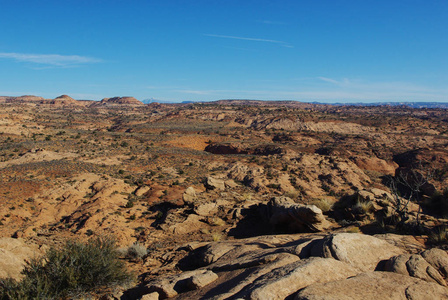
136 251
324 204
439 236
363 207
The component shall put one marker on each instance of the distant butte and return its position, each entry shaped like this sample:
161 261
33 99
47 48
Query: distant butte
121 101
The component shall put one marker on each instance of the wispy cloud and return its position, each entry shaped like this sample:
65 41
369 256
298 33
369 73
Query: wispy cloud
55 60
282 43
326 79
272 22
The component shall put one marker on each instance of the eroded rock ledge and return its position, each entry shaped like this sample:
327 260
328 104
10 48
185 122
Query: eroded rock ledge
306 266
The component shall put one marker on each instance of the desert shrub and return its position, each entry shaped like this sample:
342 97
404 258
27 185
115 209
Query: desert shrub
438 235
292 194
136 251
75 269
363 207
324 204
438 203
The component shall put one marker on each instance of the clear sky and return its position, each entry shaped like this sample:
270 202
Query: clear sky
173 50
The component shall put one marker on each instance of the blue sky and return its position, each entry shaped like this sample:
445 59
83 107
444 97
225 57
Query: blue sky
173 50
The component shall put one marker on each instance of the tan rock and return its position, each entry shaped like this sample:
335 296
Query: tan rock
418 267
215 184
142 190
13 253
374 286
283 212
437 258
272 262
191 224
283 282
406 242
189 196
151 296
206 209
361 251
172 285
200 280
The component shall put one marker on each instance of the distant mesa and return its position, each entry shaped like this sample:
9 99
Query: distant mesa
29 98
25 98
65 100
121 101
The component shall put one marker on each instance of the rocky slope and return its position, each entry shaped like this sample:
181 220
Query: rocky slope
234 199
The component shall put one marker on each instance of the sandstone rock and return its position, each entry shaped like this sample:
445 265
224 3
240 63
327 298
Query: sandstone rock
215 184
285 281
381 193
418 267
205 255
252 274
200 280
142 190
230 183
13 253
366 195
206 209
438 259
170 286
376 164
406 242
192 223
189 196
151 296
250 259
415 266
373 286
397 264
363 252
284 213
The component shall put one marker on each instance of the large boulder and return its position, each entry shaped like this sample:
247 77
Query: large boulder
363 252
286 215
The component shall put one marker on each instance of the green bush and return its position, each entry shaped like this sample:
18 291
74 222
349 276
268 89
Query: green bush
75 269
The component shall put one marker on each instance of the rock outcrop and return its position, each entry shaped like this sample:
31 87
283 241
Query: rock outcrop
286 215
311 266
